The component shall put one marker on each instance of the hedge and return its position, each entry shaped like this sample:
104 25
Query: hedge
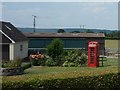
107 81
26 66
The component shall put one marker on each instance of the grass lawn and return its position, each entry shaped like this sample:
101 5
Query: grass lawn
110 66
112 44
111 63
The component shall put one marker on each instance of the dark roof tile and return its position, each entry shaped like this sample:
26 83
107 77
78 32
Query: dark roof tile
12 32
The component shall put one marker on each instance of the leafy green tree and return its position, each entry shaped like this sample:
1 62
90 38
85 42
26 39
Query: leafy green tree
89 31
75 32
113 35
55 49
61 31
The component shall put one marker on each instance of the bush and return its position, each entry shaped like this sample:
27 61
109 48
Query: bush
78 61
26 66
59 60
74 58
42 61
37 59
12 63
71 64
68 64
39 62
55 49
34 62
107 81
65 64
71 56
50 62
83 59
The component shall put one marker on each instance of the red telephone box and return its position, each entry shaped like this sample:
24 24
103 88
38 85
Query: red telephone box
93 54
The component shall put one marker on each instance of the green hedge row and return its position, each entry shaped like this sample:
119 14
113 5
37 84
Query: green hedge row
26 66
107 81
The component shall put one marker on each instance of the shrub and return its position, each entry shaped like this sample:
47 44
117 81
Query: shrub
74 58
42 61
71 56
39 62
68 64
34 62
78 61
4 64
12 63
37 59
107 81
71 64
83 59
59 60
26 66
50 62
65 64
55 49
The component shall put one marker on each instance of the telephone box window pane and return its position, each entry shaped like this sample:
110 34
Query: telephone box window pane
92 55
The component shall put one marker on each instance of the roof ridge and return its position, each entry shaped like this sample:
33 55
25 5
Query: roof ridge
4 22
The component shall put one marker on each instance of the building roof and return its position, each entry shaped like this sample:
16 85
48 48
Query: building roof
63 35
12 32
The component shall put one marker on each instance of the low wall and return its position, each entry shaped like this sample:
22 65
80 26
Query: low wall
12 71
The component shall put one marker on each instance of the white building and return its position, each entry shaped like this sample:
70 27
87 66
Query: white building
13 44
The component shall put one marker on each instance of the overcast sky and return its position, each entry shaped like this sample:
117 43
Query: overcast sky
61 15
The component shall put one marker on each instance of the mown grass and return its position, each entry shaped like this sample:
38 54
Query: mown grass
110 66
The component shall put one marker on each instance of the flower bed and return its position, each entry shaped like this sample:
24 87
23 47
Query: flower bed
13 67
12 71
37 59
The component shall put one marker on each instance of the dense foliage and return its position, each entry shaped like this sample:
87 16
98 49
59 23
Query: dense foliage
75 58
11 64
37 59
50 62
55 49
60 31
113 35
106 81
26 66
68 58
57 56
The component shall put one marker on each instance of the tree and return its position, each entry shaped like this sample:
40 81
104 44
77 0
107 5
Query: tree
89 31
113 35
55 49
75 32
61 31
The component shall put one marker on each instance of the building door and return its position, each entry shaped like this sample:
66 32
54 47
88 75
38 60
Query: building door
5 52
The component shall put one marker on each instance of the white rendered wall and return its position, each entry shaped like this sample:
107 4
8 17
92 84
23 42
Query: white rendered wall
16 53
20 54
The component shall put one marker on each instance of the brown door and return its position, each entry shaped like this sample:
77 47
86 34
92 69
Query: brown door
5 52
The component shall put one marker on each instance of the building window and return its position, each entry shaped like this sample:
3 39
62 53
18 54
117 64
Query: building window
21 48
